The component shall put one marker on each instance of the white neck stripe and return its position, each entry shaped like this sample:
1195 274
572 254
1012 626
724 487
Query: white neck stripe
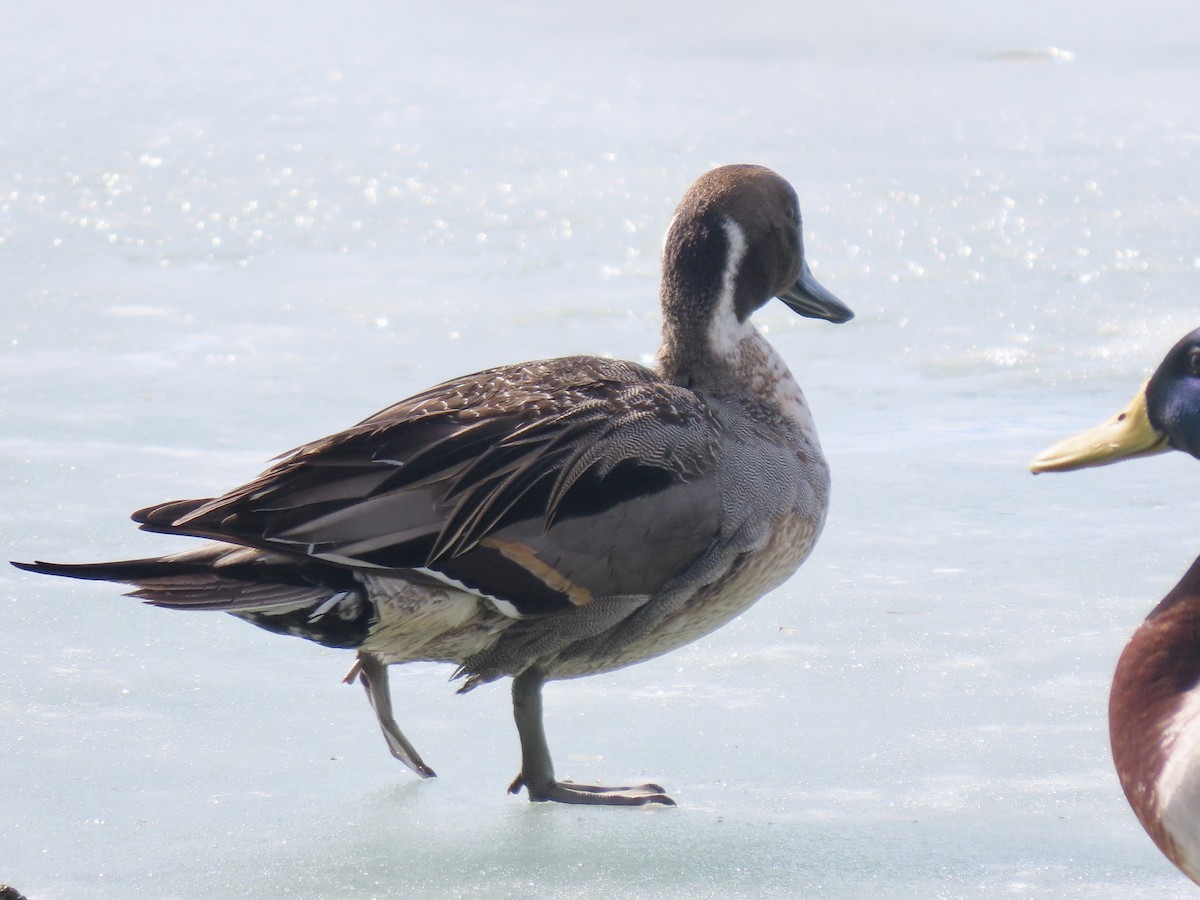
725 331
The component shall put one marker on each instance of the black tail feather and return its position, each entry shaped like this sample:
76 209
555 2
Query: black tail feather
128 571
320 603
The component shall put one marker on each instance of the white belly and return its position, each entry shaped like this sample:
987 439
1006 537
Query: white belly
1177 788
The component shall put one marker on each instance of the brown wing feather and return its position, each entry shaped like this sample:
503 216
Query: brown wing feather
523 482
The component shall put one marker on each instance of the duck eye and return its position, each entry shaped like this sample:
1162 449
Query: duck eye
1193 361
791 213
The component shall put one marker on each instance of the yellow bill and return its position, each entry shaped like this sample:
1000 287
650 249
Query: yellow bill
1126 435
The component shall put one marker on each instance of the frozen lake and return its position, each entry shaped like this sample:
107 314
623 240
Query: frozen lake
229 228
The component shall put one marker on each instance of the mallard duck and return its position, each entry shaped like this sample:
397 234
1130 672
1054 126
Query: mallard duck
1154 704
548 519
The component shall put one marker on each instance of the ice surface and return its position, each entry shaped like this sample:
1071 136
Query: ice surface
229 228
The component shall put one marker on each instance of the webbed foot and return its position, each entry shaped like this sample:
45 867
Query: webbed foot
373 676
593 794
537 770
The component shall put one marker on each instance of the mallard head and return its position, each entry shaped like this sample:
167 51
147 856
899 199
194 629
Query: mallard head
1163 415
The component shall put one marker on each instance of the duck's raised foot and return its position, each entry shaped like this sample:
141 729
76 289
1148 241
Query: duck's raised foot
594 794
373 676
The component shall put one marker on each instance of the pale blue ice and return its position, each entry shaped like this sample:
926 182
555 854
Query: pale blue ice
228 228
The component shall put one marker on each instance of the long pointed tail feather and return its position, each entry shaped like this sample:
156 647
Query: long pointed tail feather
127 571
320 603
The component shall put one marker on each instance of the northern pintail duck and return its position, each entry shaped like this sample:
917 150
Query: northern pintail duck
548 519
1154 704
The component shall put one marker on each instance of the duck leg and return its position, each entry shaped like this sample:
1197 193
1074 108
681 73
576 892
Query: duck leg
537 770
373 676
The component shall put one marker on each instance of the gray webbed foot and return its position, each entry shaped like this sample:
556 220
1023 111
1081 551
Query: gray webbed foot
537 770
373 676
594 794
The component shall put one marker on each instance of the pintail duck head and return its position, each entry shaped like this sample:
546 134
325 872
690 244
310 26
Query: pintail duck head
734 243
